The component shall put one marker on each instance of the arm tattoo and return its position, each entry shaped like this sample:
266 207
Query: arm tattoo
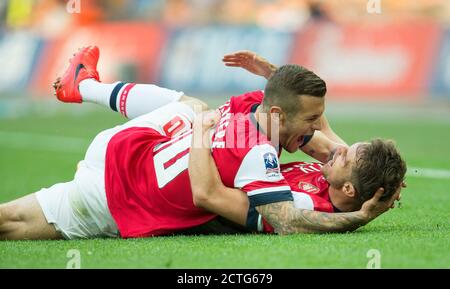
286 219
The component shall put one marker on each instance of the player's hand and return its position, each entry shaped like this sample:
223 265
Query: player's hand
250 61
207 119
375 206
203 123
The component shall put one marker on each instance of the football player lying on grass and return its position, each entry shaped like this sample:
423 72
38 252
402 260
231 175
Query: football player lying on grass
83 208
133 181
357 178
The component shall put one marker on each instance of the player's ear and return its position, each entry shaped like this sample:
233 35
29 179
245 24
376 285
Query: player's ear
349 190
277 114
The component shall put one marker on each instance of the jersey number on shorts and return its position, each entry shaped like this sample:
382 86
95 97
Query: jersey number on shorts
171 158
174 126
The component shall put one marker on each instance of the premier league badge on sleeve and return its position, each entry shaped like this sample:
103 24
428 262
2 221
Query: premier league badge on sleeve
271 164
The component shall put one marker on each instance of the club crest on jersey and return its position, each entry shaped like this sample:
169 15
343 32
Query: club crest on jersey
271 164
308 188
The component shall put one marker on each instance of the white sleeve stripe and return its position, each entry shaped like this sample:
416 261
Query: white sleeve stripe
268 190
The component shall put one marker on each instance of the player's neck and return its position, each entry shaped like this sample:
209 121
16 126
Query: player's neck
341 201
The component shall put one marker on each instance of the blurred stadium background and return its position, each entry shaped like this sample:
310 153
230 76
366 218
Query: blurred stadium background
387 69
399 55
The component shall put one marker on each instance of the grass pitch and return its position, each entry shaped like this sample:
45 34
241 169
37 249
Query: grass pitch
39 151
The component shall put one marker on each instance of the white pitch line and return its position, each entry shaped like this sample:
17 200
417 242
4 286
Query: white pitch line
428 173
43 142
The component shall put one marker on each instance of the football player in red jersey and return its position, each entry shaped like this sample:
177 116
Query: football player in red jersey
82 209
79 209
352 180
120 162
287 114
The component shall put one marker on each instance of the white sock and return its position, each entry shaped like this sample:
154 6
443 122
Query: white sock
131 100
96 92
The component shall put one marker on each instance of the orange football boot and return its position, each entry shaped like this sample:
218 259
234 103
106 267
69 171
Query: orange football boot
83 65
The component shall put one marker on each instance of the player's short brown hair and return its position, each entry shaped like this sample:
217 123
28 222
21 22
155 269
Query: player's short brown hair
378 164
288 83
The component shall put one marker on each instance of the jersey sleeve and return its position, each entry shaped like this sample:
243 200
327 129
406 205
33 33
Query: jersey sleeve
260 177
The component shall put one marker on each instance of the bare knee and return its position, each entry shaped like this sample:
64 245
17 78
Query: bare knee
10 219
23 219
8 214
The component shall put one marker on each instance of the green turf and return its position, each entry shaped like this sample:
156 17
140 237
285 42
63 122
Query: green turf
414 236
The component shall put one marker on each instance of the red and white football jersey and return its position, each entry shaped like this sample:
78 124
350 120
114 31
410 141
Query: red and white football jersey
146 178
244 156
309 189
